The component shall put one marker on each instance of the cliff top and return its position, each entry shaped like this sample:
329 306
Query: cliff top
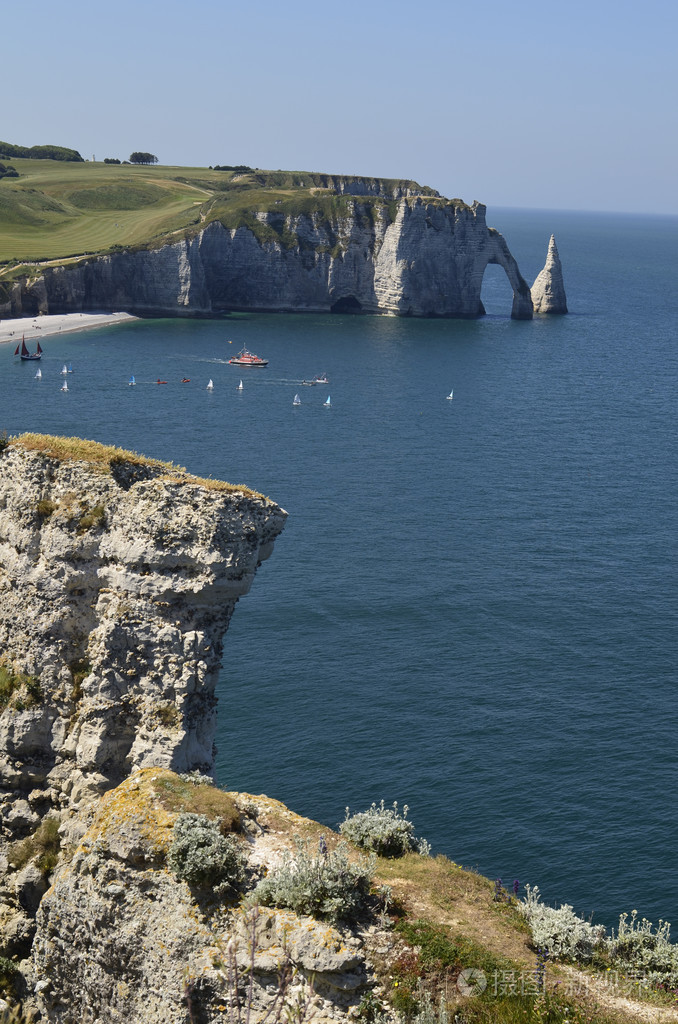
104 458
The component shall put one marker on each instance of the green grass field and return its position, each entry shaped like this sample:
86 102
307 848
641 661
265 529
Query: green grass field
57 211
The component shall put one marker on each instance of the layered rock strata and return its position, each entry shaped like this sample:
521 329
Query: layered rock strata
412 255
118 578
548 290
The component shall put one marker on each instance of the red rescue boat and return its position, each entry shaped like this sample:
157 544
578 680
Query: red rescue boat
245 358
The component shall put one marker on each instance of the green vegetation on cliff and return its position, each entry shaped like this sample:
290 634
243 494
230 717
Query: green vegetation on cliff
109 459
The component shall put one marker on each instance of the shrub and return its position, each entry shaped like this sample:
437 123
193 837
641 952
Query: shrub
80 669
202 856
45 508
92 517
8 971
638 949
561 932
18 688
43 845
4 440
384 831
327 886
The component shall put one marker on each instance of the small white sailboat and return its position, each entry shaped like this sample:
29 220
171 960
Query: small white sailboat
210 385
131 381
450 396
65 370
38 375
327 404
297 400
64 386
240 387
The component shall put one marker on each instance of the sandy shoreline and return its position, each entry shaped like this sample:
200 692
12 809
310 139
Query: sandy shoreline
40 327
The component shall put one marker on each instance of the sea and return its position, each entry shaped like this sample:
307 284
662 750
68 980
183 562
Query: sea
473 609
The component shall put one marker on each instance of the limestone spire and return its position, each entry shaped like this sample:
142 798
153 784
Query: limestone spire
548 291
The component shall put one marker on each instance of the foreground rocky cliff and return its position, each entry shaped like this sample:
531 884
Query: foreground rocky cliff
121 938
351 246
118 578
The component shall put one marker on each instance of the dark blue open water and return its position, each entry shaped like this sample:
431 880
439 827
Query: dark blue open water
473 608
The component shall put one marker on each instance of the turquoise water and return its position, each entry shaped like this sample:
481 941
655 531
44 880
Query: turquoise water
473 608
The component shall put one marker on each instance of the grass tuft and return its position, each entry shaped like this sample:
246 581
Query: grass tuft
43 846
179 796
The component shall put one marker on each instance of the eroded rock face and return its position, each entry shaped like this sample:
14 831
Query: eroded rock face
410 255
117 584
120 938
548 290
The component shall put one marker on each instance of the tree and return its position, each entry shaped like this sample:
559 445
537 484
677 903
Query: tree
143 158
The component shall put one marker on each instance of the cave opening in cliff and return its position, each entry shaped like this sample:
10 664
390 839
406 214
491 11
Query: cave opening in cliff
346 304
496 293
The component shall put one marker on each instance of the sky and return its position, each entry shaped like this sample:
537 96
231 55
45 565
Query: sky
524 104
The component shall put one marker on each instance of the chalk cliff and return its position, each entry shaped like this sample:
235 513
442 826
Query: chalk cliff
401 254
118 578
548 290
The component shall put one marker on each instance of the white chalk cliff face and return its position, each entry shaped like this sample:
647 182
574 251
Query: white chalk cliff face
415 255
117 583
548 290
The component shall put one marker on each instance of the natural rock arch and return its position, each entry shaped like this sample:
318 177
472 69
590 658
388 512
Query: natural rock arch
500 255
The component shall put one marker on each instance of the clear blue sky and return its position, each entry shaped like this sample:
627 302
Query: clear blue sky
566 105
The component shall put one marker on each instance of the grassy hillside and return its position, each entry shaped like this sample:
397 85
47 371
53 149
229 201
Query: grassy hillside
56 211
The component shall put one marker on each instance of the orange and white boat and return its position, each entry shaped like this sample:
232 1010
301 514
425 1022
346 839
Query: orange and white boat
245 358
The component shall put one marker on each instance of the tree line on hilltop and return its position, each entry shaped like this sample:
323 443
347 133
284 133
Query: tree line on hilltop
8 150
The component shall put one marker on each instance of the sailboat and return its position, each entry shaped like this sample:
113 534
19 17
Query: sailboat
210 385
450 396
38 375
22 351
131 381
239 388
70 368
327 403
64 386
297 400
65 370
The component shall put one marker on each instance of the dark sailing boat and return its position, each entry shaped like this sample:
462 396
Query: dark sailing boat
22 351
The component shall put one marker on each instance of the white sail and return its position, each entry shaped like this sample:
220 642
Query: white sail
297 400
39 374
210 384
64 386
240 388
65 369
327 402
450 396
